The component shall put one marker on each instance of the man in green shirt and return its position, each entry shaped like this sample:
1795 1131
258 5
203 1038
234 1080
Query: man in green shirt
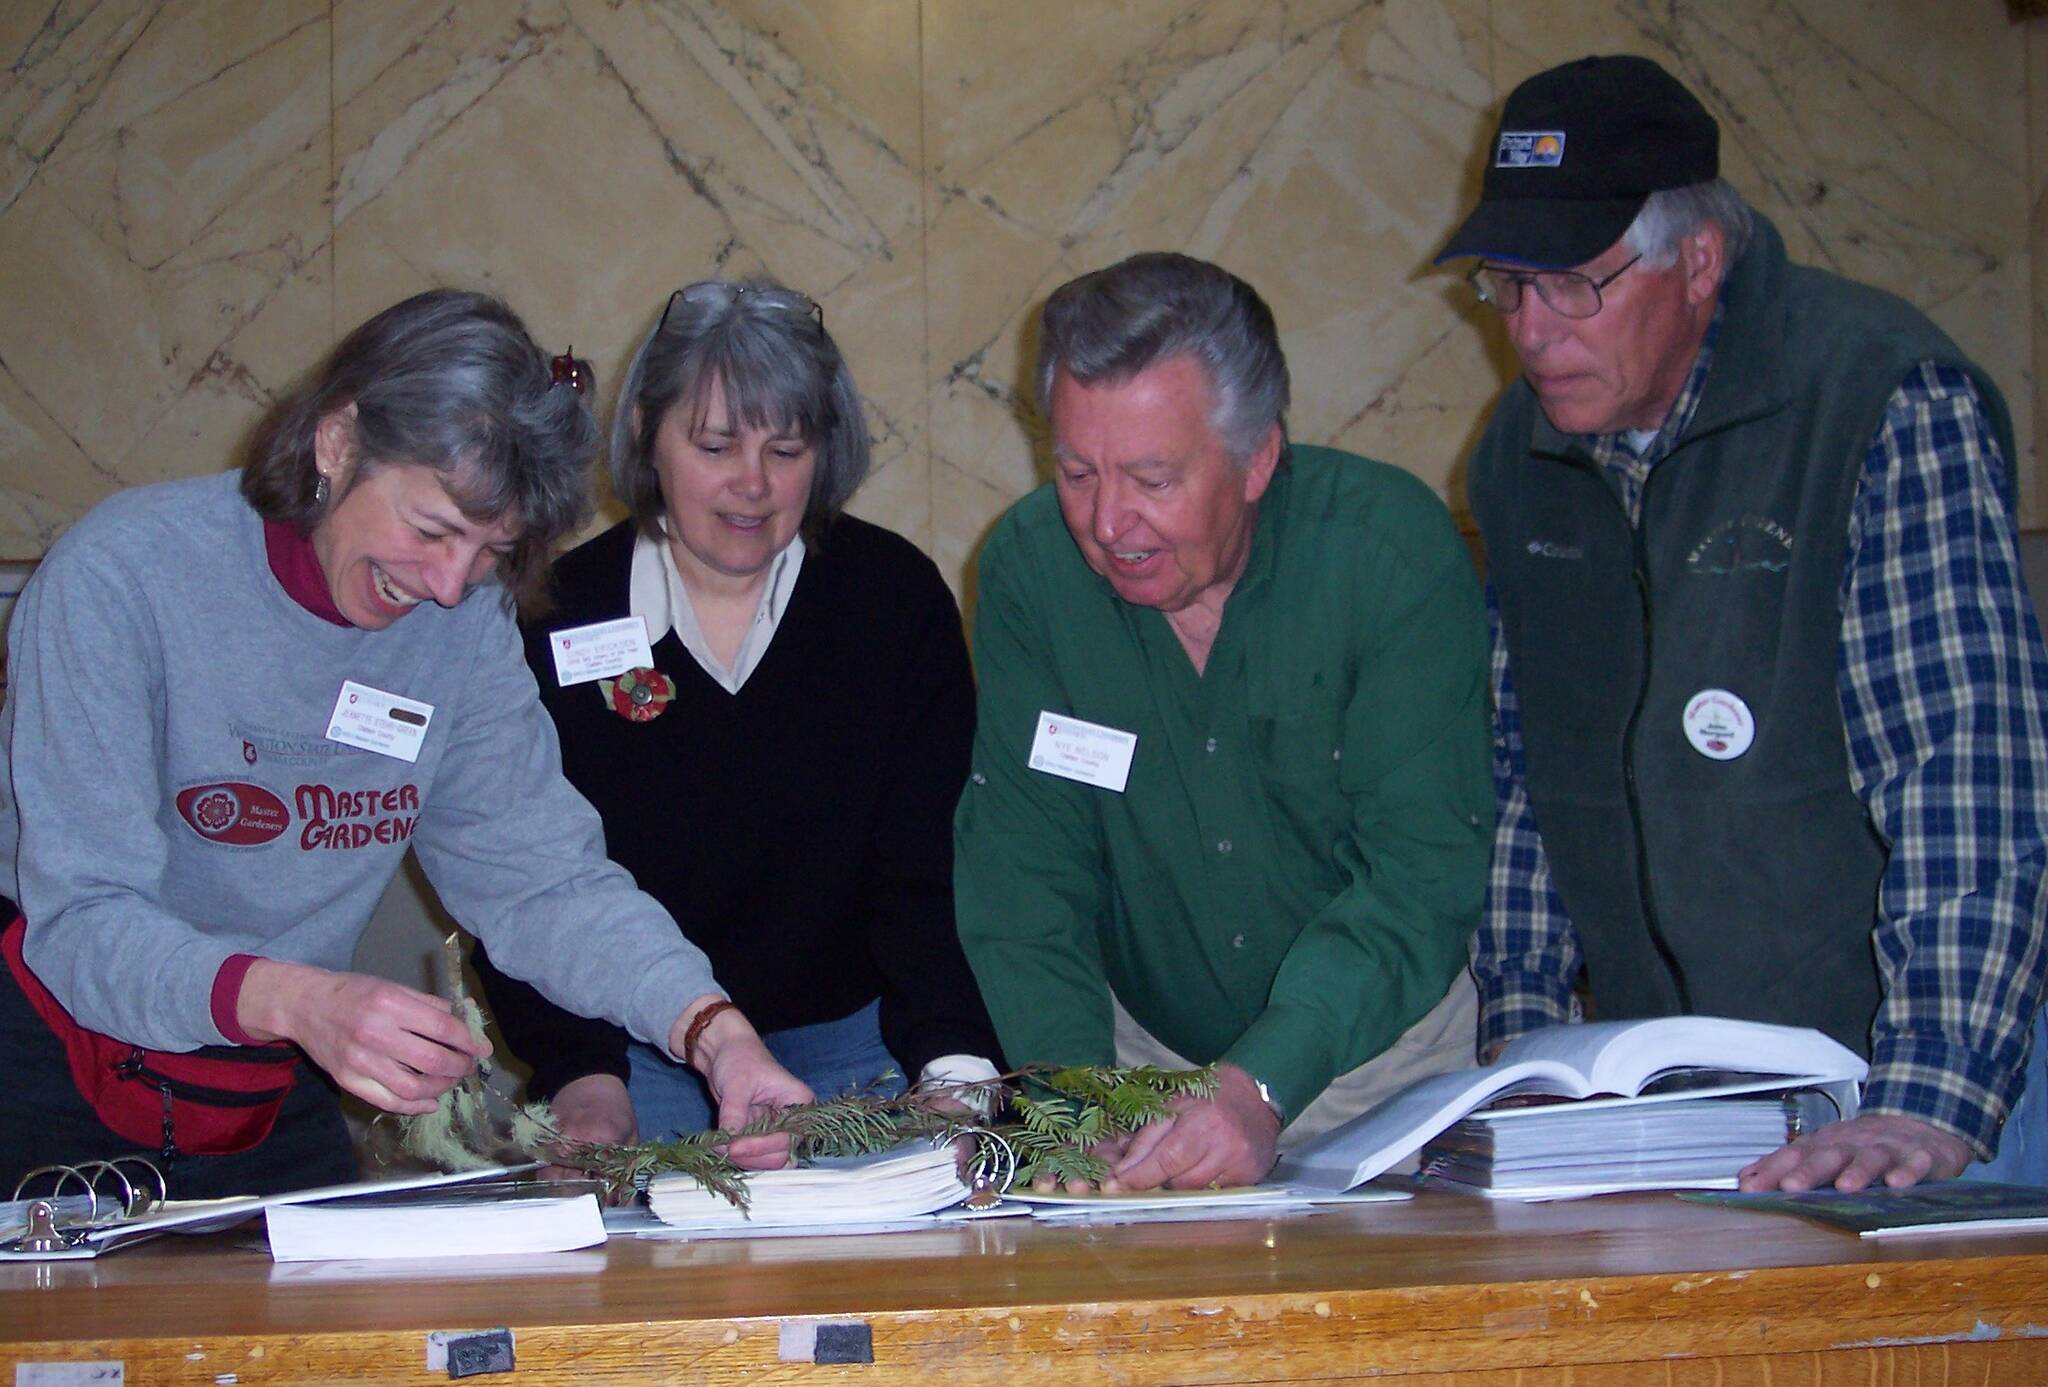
1231 763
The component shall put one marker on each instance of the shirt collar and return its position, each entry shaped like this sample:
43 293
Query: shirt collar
1619 450
296 566
655 594
1258 564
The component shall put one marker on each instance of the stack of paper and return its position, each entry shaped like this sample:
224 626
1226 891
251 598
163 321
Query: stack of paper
526 1216
908 1180
1589 1148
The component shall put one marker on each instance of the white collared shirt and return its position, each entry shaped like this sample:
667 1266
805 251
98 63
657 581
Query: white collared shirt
656 595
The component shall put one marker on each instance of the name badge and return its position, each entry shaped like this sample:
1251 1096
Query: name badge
1718 724
601 650
1083 751
377 721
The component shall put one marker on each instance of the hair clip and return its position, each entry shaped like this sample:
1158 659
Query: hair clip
567 370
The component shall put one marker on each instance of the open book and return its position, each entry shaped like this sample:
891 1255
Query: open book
1609 1064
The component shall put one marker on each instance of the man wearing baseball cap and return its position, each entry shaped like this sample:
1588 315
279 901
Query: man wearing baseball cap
1770 695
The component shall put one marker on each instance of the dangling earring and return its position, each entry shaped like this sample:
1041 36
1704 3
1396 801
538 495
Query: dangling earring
320 489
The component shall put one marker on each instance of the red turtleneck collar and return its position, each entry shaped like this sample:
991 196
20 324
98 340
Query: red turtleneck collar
297 568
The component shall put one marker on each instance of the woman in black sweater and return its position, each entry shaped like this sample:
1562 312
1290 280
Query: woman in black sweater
783 776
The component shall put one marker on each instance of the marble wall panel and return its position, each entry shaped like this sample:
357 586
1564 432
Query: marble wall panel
196 196
163 233
584 159
1317 149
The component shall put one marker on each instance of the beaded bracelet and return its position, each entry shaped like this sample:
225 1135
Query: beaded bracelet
697 1028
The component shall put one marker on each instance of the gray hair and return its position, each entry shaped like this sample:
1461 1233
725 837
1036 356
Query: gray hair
1114 323
449 380
767 348
1673 214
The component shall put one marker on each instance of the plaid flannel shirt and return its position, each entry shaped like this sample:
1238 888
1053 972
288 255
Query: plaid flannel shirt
1943 685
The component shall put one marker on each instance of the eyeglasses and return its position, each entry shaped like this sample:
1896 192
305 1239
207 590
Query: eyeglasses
720 292
1569 293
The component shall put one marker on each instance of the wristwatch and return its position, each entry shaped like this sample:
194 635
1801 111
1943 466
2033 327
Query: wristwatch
1266 1097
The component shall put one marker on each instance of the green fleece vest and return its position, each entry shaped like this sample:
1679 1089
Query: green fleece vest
1744 887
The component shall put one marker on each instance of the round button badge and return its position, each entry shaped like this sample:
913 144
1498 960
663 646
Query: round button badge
1718 724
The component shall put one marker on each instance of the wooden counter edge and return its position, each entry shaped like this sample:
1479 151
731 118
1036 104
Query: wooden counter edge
1388 1332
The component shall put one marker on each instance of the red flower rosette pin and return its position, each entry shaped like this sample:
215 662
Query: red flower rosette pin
638 695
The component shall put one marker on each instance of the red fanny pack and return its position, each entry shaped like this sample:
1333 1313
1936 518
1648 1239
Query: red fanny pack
209 1102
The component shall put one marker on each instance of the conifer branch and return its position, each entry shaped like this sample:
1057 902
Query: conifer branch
1058 1114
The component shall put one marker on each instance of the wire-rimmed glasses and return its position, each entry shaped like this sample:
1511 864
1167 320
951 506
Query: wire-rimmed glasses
1569 293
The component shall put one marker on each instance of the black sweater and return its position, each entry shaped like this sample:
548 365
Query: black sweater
799 830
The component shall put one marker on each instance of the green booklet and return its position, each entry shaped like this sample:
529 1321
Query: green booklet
1946 1206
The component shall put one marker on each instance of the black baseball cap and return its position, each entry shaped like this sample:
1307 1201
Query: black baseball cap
1580 148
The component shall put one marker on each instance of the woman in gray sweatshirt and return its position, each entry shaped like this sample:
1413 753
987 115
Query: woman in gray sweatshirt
236 701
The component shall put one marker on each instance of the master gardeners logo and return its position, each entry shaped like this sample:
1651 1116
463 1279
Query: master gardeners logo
234 812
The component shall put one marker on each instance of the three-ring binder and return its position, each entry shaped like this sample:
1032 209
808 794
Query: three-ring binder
95 1206
54 1224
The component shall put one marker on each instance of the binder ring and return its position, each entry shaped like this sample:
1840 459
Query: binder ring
993 1167
127 1186
140 1201
136 1200
63 1173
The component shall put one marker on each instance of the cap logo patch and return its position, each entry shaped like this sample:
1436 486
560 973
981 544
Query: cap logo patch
1529 149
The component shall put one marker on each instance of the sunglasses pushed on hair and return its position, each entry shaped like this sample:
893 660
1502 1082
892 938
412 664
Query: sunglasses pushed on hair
720 292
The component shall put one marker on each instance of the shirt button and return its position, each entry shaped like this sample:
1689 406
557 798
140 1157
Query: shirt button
978 778
1338 754
1237 941
1210 746
1223 846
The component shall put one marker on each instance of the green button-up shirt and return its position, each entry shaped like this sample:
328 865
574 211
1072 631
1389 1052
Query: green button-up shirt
1298 858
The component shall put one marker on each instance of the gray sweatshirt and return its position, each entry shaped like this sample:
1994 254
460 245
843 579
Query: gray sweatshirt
172 797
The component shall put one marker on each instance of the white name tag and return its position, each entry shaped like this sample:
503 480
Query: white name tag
601 650
1083 751
378 721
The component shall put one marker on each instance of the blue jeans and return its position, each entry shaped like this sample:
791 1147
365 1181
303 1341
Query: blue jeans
833 1057
2022 1157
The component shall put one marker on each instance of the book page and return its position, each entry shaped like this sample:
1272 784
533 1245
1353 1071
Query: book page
1371 1143
1620 1057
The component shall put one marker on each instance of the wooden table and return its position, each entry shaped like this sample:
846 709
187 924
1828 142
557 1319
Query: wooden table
1623 1290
